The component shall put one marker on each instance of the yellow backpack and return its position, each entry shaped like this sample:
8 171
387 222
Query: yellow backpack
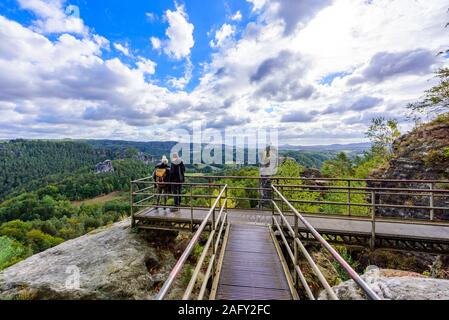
160 176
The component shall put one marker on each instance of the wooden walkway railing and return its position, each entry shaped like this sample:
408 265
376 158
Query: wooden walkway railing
250 264
237 256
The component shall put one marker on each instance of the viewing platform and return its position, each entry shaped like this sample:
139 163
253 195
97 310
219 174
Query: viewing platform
257 233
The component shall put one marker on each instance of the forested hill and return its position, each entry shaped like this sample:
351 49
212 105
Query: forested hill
155 148
22 161
29 164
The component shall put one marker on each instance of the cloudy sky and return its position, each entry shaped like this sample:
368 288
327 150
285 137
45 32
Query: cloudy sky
318 71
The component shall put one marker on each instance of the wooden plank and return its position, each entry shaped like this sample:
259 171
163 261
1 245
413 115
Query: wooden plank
251 267
253 279
248 293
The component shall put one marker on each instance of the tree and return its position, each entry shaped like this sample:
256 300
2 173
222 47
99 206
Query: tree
11 252
436 99
382 134
40 241
341 166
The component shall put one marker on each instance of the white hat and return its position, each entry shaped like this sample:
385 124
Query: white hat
164 159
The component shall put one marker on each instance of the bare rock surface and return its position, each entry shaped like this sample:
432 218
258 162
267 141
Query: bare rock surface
112 263
393 285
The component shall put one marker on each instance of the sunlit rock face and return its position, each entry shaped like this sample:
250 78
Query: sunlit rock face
422 154
393 285
110 263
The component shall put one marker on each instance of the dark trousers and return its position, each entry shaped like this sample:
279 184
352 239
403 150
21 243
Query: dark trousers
161 190
176 189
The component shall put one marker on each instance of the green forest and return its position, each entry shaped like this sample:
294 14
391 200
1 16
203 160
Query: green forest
43 180
23 161
35 221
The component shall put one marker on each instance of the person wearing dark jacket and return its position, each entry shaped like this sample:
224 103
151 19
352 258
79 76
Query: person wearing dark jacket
161 177
177 172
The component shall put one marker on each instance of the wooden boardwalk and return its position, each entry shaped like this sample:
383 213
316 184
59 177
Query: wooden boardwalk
251 268
356 225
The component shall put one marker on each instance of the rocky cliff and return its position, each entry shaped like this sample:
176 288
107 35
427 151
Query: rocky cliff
104 167
393 285
111 263
422 154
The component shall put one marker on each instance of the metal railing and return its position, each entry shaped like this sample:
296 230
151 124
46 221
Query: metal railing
369 199
218 224
298 247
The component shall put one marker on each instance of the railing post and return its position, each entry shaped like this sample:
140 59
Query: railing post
373 220
295 249
282 207
191 206
349 197
131 199
432 211
226 200
272 207
209 192
214 265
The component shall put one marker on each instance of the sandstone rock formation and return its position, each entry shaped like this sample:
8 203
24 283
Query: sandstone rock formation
145 158
422 154
104 167
393 285
112 263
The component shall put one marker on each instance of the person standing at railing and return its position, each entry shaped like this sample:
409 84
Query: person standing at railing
177 177
268 161
161 177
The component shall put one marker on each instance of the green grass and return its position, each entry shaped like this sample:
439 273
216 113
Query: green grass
117 195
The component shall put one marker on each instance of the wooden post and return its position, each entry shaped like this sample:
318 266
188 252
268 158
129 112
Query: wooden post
432 211
373 220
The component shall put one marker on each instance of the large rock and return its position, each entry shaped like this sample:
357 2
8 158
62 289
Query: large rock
104 167
113 263
145 158
422 154
393 285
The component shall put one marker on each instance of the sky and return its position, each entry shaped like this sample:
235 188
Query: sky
316 71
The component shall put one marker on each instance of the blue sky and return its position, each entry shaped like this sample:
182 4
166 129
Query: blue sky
133 23
317 71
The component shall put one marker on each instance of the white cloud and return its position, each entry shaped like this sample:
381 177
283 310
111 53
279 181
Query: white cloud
156 43
343 37
237 16
297 81
222 35
146 66
151 16
180 83
54 16
122 48
257 4
179 34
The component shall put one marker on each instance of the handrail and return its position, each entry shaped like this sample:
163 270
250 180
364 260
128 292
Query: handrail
352 273
180 263
307 179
